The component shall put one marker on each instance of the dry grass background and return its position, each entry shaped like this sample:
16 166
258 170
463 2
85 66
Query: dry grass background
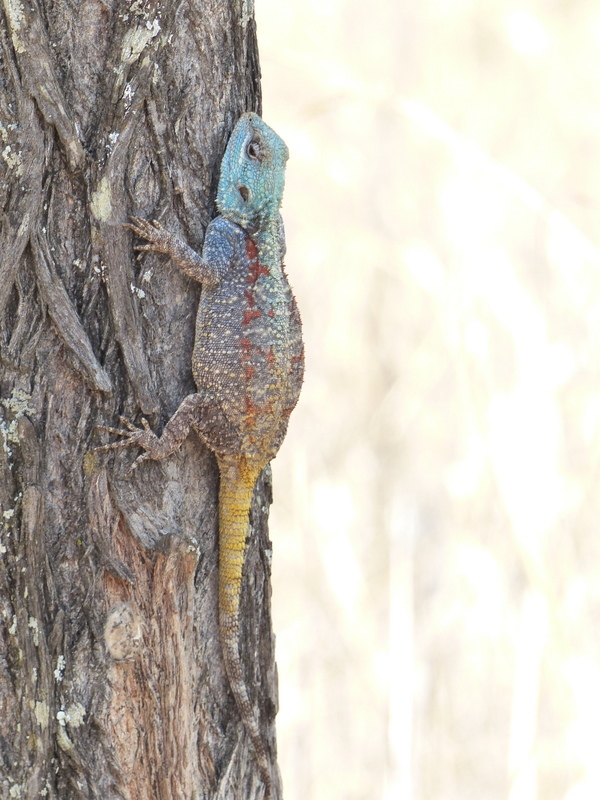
436 537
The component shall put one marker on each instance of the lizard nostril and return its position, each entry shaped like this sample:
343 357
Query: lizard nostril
244 192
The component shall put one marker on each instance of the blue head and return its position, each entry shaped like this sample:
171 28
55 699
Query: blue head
252 173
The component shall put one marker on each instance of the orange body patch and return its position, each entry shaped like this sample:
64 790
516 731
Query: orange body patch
250 314
255 268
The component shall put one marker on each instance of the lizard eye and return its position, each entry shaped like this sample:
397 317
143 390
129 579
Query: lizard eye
253 150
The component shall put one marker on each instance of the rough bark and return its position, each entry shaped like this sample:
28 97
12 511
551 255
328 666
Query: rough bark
111 677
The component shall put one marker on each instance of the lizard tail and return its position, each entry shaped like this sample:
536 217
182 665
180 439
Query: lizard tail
235 498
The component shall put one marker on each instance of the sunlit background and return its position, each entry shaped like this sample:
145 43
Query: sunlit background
435 527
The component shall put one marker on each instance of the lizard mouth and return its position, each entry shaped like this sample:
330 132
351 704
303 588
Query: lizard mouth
243 190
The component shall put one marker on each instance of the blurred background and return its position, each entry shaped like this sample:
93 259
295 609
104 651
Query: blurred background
435 527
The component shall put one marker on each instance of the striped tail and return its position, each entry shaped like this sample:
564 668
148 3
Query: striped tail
235 498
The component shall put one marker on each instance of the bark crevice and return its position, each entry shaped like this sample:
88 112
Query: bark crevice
111 676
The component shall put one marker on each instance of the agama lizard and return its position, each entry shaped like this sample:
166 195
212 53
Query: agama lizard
248 361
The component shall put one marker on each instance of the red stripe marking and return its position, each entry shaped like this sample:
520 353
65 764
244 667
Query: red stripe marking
250 314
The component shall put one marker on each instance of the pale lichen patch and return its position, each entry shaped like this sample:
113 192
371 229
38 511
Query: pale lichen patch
13 159
113 138
60 668
16 16
137 291
17 405
75 715
4 131
42 713
101 205
34 625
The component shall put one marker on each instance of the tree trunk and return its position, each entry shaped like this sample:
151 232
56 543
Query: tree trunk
112 683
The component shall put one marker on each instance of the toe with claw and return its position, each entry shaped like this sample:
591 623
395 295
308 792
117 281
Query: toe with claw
132 435
159 238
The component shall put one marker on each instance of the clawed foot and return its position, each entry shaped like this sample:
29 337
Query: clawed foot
160 239
143 437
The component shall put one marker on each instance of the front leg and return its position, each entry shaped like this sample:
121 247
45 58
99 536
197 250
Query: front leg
161 241
175 432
